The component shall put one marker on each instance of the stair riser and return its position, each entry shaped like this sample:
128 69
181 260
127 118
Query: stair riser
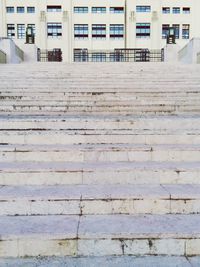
70 138
30 247
29 98
103 124
154 109
100 103
100 207
95 177
96 156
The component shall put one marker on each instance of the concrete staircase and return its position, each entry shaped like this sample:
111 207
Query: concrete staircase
100 160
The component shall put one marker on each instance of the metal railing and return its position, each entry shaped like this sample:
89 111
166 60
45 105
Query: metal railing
54 55
2 57
119 55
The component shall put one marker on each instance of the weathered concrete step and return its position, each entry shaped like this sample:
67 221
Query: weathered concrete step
100 235
106 261
51 173
100 122
95 80
103 108
104 94
97 132
98 102
99 89
63 137
173 110
188 112
99 199
99 152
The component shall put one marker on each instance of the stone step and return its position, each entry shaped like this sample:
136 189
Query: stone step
99 199
144 123
54 173
189 111
107 261
100 235
104 94
78 109
80 100
100 89
99 152
74 137
99 103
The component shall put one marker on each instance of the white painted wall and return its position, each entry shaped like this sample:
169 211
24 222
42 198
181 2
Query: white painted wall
68 18
188 54
9 48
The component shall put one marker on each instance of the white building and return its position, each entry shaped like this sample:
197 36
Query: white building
99 24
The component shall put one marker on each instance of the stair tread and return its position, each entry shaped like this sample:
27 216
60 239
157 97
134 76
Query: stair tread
100 226
98 147
100 192
107 261
100 166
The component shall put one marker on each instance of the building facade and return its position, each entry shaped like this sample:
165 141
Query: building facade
99 25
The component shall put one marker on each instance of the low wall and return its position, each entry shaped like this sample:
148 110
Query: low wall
171 53
198 58
188 54
19 53
13 53
2 57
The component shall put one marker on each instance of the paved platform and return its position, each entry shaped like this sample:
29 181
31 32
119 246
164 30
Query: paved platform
125 261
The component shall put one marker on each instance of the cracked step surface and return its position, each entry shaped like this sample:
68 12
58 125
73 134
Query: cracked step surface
101 199
100 235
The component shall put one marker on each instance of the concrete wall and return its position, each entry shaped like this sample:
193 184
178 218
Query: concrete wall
171 52
188 54
198 58
13 53
2 57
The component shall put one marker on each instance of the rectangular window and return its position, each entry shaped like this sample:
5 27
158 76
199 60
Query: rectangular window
143 30
10 9
176 10
54 8
98 9
20 31
54 30
116 9
30 9
177 30
143 8
186 10
20 9
98 30
116 31
165 30
10 30
185 31
81 31
166 10
80 9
